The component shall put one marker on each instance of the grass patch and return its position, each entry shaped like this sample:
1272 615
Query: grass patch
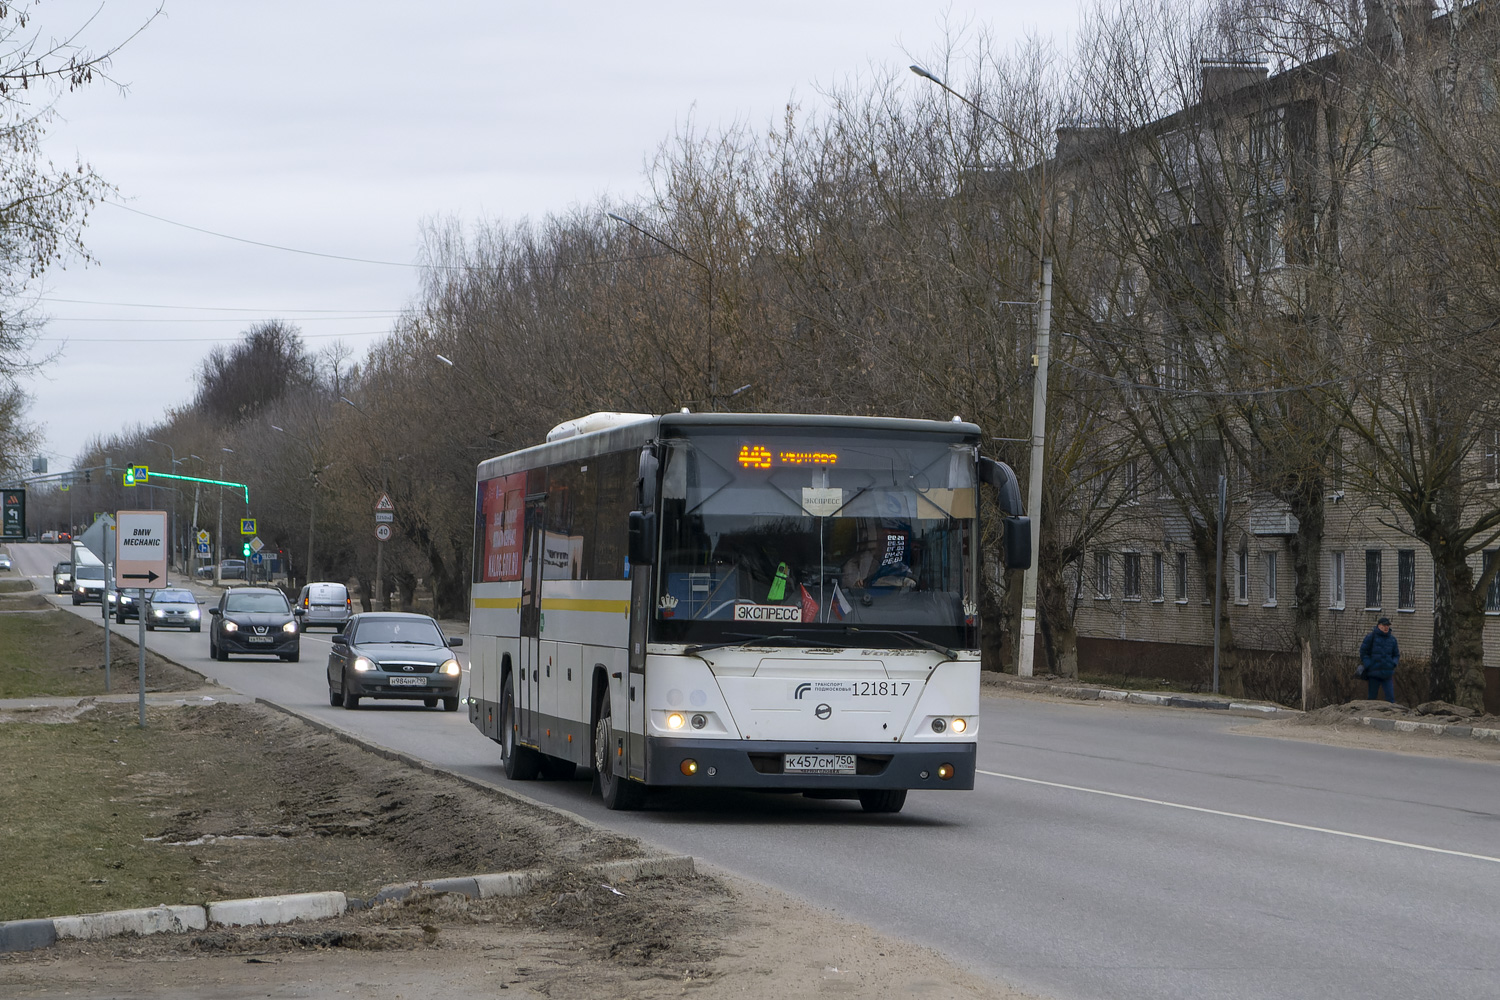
15 586
225 801
1122 683
58 653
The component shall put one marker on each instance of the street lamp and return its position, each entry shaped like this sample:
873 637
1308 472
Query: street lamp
1025 657
708 301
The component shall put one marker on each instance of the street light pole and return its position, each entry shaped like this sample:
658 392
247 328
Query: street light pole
312 499
1026 655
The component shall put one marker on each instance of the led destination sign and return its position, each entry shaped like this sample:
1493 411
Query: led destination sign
758 456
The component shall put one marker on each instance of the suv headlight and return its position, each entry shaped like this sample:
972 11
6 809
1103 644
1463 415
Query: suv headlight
231 627
450 667
290 626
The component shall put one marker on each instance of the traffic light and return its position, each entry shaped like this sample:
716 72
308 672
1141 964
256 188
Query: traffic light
130 476
246 549
88 475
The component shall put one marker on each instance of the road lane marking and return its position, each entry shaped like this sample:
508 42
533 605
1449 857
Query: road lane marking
1244 816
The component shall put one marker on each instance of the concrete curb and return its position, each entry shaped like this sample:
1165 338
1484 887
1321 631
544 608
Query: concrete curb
29 935
153 920
1451 729
1084 693
277 909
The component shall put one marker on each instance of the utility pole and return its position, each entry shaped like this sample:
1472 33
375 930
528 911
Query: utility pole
1219 580
1025 665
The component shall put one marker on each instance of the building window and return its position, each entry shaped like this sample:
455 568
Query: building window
1132 482
1492 596
1270 579
1372 579
1182 578
1336 581
1158 577
1132 576
1406 579
1101 575
1242 576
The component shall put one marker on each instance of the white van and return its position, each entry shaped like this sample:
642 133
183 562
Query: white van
325 604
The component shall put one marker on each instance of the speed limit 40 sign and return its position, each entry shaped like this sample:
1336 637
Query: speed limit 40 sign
383 532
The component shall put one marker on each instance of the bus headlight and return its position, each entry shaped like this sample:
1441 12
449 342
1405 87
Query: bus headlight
959 725
674 721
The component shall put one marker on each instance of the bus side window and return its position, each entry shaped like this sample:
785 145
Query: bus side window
615 486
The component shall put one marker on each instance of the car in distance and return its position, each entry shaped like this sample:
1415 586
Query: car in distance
168 608
5 560
256 620
124 604
62 578
229 569
88 584
393 655
325 604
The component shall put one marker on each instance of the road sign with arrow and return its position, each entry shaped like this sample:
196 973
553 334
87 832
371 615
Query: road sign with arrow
140 548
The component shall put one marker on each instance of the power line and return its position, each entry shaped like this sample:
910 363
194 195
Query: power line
194 340
559 265
218 319
162 305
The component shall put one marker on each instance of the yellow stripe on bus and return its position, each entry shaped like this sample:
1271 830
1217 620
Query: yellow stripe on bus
579 604
502 603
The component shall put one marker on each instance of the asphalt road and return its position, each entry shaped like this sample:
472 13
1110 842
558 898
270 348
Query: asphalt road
1108 851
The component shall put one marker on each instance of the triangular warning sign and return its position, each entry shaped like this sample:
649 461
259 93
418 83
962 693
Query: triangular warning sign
384 503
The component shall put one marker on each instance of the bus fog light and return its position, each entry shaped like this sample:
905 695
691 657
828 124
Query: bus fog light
700 720
959 725
938 725
689 766
945 771
674 721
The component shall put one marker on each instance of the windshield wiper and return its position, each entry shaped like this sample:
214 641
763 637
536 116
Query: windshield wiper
910 637
409 642
751 639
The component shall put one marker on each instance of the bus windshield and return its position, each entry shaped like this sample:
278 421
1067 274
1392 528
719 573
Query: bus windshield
817 536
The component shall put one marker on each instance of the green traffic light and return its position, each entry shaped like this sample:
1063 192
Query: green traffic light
245 548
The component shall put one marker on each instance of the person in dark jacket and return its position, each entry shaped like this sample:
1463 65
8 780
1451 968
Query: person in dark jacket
1379 654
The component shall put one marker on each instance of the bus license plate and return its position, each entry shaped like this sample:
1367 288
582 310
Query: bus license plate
414 682
818 763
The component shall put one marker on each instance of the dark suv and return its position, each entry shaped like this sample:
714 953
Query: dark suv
254 620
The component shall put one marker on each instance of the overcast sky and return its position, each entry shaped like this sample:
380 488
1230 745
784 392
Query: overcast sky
340 127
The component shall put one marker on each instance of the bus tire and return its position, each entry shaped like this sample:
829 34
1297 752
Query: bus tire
521 763
882 800
617 791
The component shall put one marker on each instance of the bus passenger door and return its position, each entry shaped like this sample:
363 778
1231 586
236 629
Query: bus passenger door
641 610
528 689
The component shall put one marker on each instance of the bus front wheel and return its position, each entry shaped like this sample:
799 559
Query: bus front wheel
617 791
521 763
882 800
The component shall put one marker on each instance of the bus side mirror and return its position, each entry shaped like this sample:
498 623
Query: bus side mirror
1000 476
1017 532
642 538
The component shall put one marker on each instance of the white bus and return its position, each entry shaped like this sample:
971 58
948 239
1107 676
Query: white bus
715 600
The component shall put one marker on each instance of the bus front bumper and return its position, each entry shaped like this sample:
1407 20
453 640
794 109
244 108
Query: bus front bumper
754 764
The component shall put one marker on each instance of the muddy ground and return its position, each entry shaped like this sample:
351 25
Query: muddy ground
231 800
1339 725
47 651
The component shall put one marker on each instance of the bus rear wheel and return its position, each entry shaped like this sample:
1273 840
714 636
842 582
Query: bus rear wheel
882 800
521 763
617 791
